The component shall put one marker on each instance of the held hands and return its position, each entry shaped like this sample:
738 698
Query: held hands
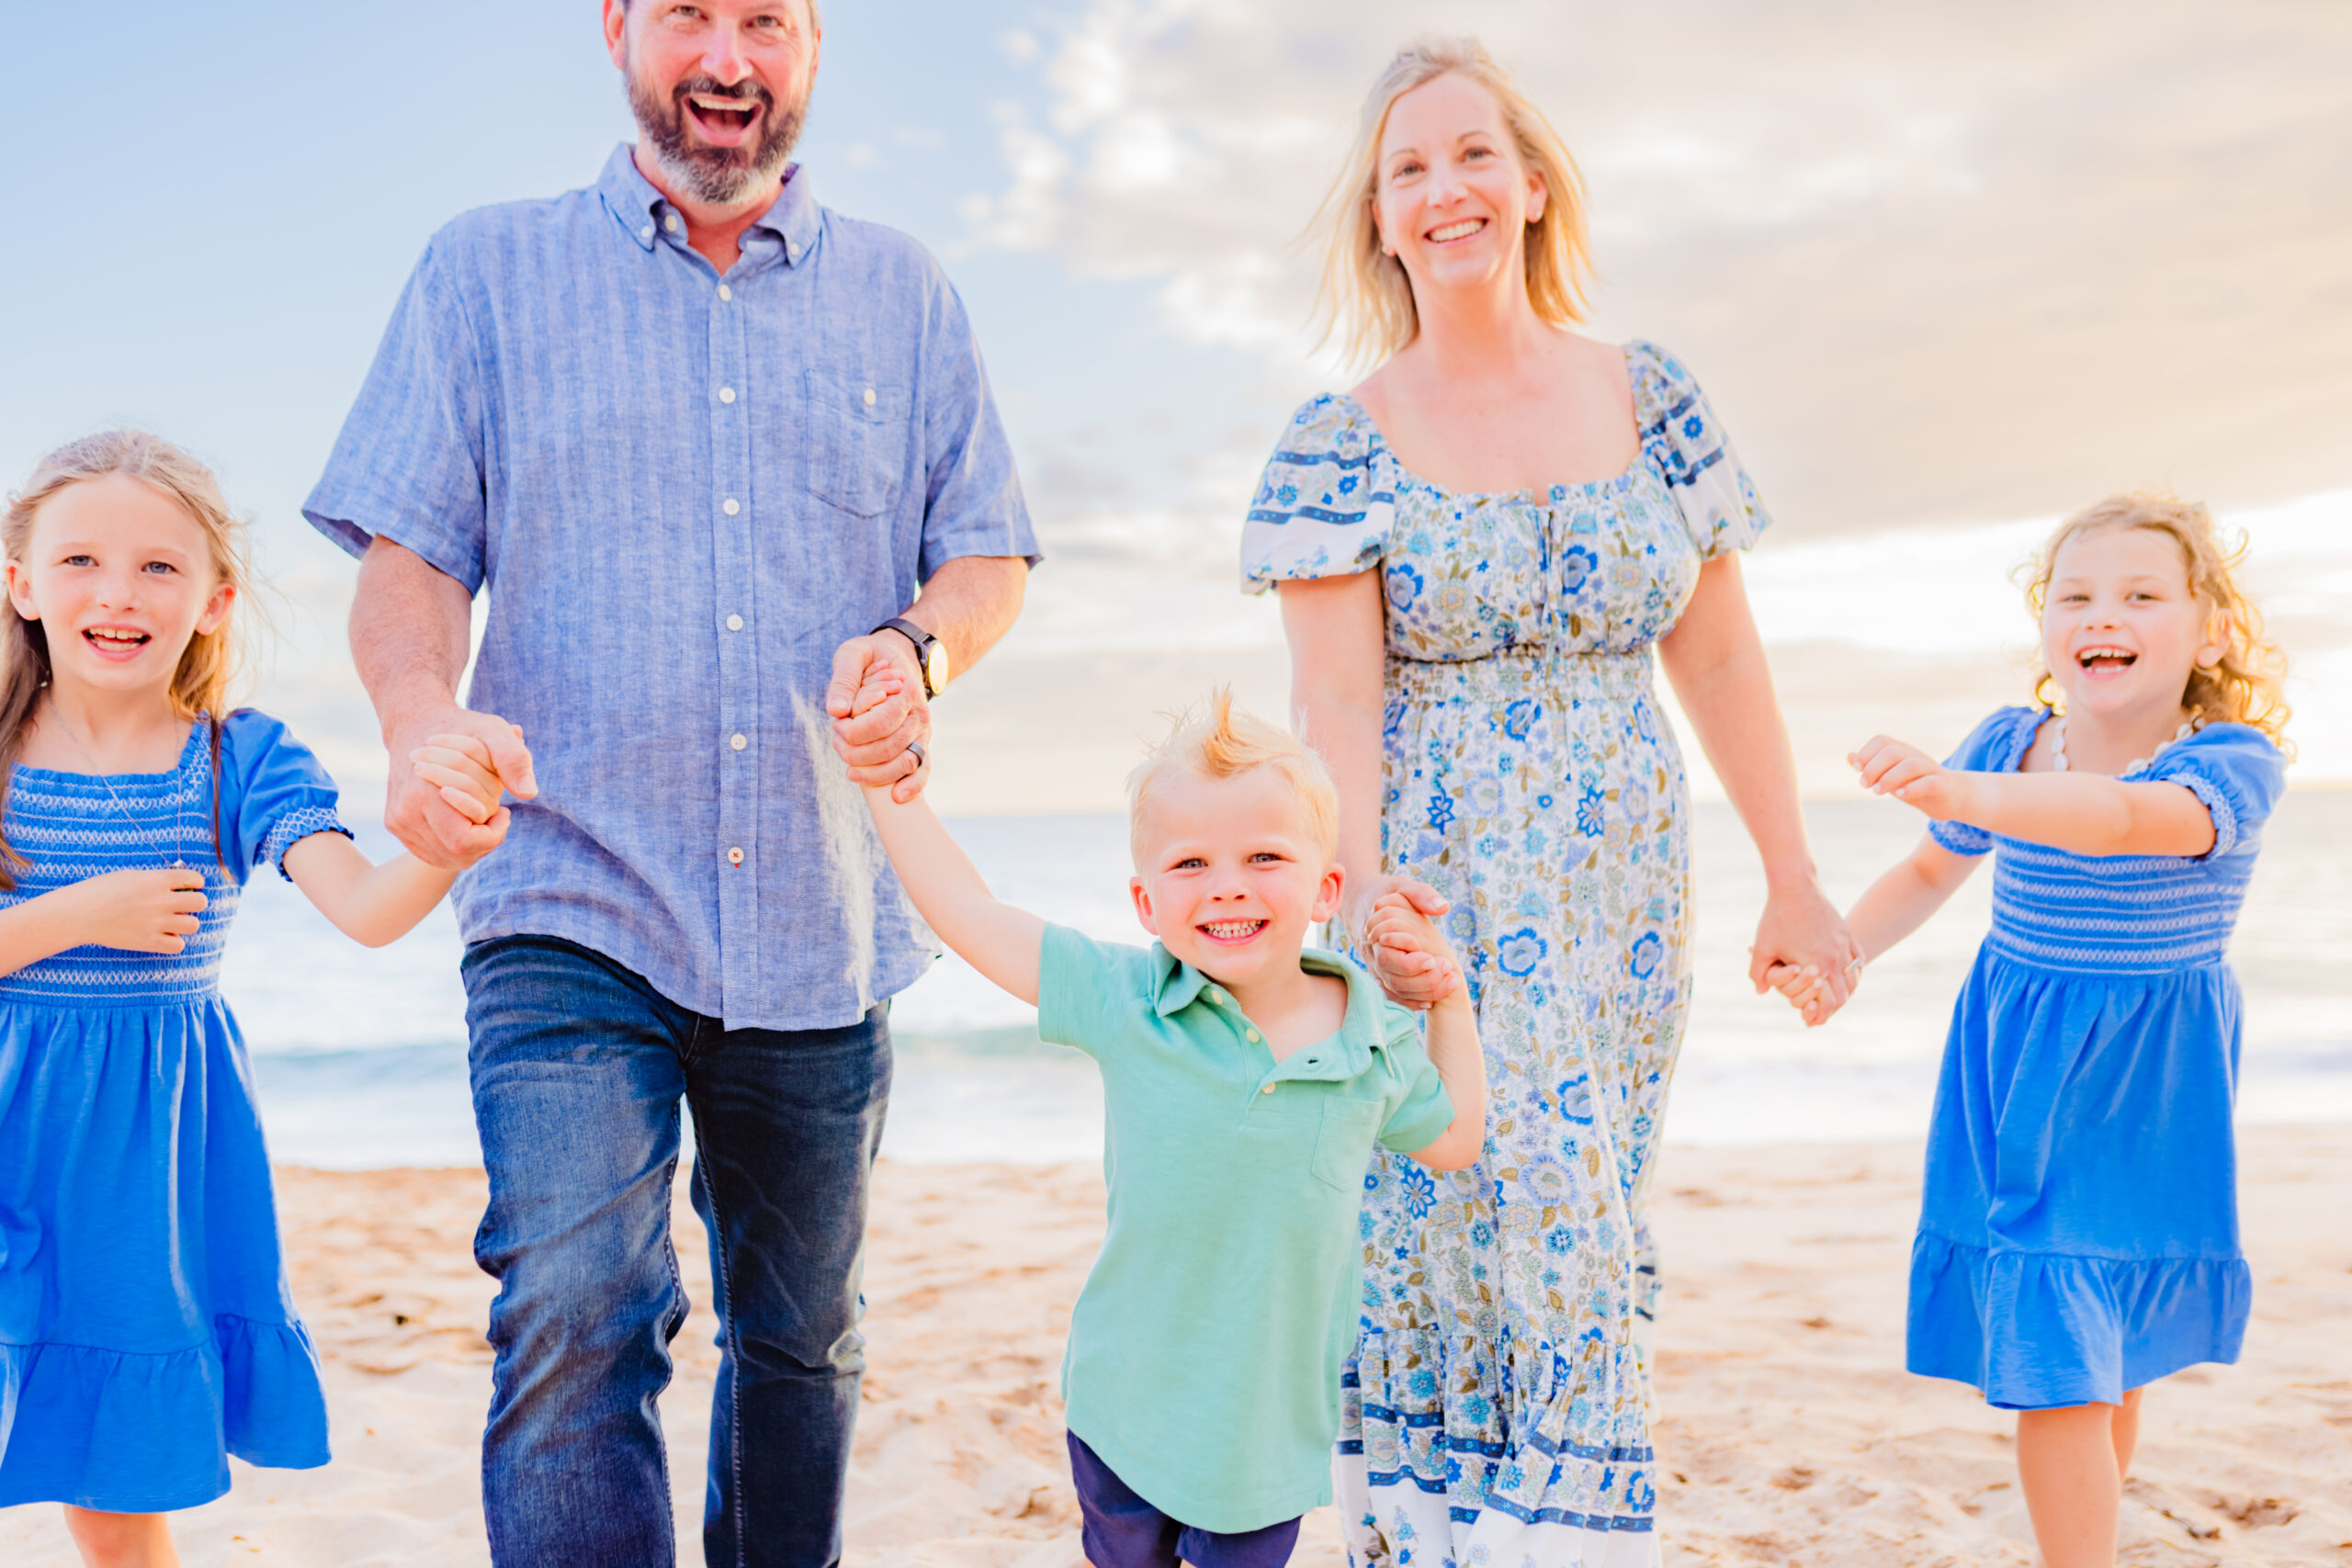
1810 992
138 912
1398 940
1802 941
449 770
1911 776
879 712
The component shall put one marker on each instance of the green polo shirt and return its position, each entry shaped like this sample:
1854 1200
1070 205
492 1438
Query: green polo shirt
1204 1352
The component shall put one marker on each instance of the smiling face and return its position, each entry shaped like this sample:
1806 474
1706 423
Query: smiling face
1230 872
121 578
2120 629
719 88
1453 199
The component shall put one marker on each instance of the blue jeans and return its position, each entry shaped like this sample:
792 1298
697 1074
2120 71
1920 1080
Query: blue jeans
578 1069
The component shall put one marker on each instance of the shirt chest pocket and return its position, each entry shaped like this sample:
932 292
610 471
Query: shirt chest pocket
1344 1142
855 434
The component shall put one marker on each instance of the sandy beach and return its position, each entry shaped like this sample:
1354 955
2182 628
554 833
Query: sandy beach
1790 1434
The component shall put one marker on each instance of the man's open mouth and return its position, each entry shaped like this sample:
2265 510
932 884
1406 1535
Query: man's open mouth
2105 658
722 116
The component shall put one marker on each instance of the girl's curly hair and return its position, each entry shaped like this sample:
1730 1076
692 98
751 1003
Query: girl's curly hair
2243 686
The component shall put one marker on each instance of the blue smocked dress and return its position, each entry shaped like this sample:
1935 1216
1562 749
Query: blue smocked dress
146 1328
1497 1407
2079 1233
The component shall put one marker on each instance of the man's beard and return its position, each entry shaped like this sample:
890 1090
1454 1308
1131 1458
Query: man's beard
721 177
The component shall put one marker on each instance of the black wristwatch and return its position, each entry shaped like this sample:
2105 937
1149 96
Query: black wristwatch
930 654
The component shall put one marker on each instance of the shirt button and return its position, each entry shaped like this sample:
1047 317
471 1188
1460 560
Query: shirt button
646 232
734 623
725 293
869 397
734 857
729 506
737 741
726 394
1253 1036
671 222
1267 1089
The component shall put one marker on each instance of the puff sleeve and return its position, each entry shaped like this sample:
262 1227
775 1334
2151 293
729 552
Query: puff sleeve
274 793
1685 444
2236 771
1993 746
1320 508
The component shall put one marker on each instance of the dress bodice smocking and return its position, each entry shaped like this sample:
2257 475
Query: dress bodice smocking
266 793
2113 915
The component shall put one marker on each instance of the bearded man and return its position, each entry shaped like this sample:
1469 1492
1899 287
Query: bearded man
702 441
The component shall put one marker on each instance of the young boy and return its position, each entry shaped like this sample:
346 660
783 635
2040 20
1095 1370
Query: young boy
1245 1082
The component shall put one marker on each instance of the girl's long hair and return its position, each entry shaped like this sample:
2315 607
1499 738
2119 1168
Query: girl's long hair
2244 685
212 660
1366 299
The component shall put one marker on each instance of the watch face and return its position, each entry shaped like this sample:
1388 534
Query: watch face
934 667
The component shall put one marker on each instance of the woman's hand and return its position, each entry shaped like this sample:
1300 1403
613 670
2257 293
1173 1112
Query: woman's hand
1802 929
138 912
1411 976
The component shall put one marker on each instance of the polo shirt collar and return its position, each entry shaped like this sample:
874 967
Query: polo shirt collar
639 206
1181 985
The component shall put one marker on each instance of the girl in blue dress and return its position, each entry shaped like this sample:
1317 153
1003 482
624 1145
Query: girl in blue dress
146 1328
2078 1237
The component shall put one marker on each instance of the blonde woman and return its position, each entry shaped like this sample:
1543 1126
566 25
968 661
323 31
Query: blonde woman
1478 550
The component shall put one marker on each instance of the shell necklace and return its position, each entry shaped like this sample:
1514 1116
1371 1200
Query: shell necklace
2058 751
179 863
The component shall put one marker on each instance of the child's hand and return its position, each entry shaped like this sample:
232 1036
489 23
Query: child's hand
1408 942
461 768
1808 990
138 912
1890 767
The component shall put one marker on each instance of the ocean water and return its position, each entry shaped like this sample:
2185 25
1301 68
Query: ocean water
360 1055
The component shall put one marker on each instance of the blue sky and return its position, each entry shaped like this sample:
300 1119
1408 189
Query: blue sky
1946 271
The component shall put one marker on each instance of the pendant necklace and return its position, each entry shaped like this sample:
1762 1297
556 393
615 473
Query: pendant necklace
178 861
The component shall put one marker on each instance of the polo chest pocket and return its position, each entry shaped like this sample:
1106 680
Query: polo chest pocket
1344 1142
854 432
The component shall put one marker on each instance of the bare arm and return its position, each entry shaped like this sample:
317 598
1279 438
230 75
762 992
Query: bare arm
2087 814
369 903
968 604
1336 628
1715 660
1395 926
1913 888
409 626
1003 943
138 912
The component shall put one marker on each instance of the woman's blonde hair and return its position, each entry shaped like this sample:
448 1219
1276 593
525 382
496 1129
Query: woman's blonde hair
1225 743
2243 685
1366 299
212 660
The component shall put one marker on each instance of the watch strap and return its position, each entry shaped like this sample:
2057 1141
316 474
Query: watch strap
922 641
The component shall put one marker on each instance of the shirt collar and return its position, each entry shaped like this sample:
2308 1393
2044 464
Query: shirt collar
638 208
1181 985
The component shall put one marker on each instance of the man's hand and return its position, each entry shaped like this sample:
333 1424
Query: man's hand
873 739
449 766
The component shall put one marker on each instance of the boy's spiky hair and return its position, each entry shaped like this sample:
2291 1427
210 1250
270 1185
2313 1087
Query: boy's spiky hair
1223 742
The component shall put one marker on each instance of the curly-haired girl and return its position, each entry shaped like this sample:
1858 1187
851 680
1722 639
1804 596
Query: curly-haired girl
2079 1237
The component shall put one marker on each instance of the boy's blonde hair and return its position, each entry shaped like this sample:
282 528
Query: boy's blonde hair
1225 743
211 661
1366 300
2244 685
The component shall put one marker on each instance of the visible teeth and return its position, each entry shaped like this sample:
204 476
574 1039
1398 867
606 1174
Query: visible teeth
1231 928
740 105
1457 231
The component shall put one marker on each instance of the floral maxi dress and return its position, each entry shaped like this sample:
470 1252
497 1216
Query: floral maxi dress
1497 1408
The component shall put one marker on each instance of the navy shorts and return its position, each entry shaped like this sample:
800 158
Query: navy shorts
1124 1531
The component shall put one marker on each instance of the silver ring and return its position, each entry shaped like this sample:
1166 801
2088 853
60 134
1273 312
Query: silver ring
914 749
1855 967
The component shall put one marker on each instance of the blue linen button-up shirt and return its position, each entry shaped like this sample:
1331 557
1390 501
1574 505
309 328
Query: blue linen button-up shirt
684 491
